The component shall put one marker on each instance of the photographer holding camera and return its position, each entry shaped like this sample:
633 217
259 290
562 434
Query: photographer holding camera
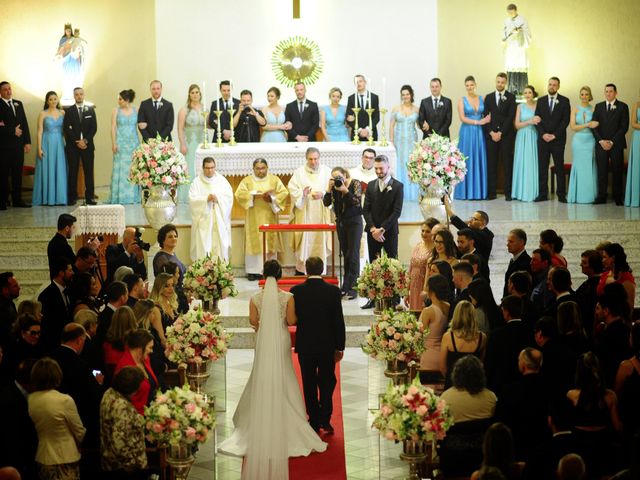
129 253
345 194
247 120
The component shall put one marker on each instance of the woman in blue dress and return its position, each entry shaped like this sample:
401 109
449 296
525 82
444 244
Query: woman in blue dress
124 140
275 129
50 182
632 195
471 143
190 133
332 118
524 185
583 181
403 135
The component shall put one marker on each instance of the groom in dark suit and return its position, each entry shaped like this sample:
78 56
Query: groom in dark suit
80 126
499 135
223 103
320 339
613 122
554 111
15 141
435 111
155 116
365 100
302 116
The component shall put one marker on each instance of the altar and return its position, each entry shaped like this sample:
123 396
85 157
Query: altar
283 158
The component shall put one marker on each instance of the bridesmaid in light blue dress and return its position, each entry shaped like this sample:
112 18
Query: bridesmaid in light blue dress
524 185
471 143
190 132
583 181
632 195
50 182
403 135
332 118
124 140
274 130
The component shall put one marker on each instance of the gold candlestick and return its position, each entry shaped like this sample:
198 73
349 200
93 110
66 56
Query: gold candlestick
232 142
383 132
370 112
205 140
356 138
218 130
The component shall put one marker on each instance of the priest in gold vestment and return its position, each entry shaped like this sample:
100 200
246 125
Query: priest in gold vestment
263 196
307 187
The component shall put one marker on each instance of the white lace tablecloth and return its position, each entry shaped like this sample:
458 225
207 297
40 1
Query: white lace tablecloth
96 219
283 158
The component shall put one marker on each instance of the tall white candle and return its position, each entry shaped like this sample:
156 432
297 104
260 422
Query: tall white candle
355 92
231 91
384 92
369 91
203 99
218 96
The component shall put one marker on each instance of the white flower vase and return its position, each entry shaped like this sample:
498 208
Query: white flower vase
431 204
159 205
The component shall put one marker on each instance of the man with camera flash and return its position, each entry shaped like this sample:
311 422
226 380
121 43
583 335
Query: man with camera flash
129 253
247 120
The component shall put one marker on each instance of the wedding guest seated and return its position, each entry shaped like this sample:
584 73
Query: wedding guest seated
135 286
164 295
552 243
55 417
627 387
168 241
122 322
26 344
122 442
586 296
148 316
173 268
435 319
122 272
84 291
464 338
616 269
116 296
497 451
487 311
571 467
32 307
139 346
559 366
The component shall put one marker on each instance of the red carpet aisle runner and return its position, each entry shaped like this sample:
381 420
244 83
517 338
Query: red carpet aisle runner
329 465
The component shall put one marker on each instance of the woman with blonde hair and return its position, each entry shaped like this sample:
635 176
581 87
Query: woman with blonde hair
333 118
149 318
164 295
190 126
464 338
122 322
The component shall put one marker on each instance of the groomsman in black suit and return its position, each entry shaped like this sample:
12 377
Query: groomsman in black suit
15 141
554 111
155 116
320 339
520 259
435 111
302 116
223 104
500 135
364 100
80 126
612 116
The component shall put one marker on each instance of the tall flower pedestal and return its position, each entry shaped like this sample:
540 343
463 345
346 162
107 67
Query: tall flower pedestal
431 204
160 205
197 374
415 453
397 371
180 458
211 306
382 304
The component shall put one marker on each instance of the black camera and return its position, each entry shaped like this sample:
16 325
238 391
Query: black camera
338 181
138 240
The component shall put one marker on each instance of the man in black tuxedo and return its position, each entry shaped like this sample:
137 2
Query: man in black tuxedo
56 304
478 223
435 111
554 111
80 126
128 253
560 286
520 259
58 246
586 293
467 246
363 100
15 141
519 284
500 135
612 116
223 104
155 116
302 117
320 338
462 277
9 292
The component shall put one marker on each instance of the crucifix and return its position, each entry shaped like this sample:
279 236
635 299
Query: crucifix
296 8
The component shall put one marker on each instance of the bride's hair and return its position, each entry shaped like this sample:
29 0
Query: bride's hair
273 269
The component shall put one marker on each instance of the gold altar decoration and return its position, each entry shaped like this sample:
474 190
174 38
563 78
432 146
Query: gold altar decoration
297 59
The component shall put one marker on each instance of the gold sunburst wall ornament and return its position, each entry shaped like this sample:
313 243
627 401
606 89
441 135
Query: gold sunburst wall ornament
297 59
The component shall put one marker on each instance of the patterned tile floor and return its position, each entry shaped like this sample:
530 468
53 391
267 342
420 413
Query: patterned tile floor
367 455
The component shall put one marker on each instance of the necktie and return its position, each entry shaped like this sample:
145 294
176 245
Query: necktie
362 105
300 108
551 102
13 107
65 296
80 114
226 105
435 103
381 185
155 105
501 98
608 107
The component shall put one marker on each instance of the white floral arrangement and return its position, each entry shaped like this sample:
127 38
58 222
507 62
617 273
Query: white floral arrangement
209 279
385 277
196 336
179 416
395 335
436 162
158 163
412 412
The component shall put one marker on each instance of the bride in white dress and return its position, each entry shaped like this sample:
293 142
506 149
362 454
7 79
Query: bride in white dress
270 421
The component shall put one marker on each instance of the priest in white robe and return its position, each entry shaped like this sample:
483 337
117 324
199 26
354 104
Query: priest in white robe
307 187
365 173
210 201
263 196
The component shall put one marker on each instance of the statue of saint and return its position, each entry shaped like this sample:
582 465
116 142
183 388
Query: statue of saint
71 56
516 38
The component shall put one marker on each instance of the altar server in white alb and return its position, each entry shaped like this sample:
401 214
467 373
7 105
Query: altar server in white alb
210 201
263 196
307 187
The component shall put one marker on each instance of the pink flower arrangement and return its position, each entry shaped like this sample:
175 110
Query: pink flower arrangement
157 162
210 279
395 336
412 412
385 277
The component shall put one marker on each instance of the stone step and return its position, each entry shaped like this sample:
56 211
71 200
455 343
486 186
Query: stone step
246 338
18 263
24 247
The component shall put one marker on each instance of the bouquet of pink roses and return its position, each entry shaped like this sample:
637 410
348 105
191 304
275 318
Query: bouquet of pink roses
385 277
158 163
210 279
395 336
